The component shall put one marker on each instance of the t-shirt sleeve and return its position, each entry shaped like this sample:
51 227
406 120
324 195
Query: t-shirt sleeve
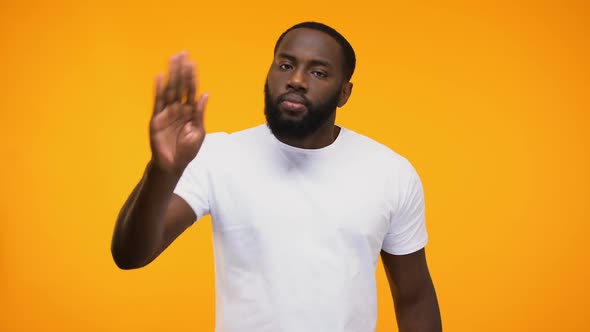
407 230
194 183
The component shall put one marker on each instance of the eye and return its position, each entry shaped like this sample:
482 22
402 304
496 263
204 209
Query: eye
319 74
285 66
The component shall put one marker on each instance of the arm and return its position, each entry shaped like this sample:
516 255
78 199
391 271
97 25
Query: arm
414 297
152 217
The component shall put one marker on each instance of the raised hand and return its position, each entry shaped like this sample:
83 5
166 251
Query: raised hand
176 127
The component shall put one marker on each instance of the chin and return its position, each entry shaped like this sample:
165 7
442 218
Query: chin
294 117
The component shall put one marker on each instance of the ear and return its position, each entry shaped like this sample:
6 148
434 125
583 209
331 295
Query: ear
345 93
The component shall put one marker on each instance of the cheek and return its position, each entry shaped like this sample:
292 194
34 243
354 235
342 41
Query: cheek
275 84
273 78
324 94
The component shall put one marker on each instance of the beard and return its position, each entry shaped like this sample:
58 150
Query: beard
315 117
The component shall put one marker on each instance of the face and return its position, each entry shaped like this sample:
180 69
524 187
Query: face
305 84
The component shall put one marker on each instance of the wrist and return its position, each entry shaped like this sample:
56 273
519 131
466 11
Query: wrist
156 173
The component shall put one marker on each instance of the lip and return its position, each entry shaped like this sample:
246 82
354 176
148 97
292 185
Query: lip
293 103
294 98
293 107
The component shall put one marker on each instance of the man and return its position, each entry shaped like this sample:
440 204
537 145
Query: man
301 208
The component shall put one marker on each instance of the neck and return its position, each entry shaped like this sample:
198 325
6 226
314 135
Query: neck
324 136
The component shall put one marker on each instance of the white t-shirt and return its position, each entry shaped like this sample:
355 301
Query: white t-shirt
297 233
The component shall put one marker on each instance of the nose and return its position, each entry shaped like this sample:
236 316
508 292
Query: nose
297 81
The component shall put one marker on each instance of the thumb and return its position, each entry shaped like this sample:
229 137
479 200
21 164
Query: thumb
200 108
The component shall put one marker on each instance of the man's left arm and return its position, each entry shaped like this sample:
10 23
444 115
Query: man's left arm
414 297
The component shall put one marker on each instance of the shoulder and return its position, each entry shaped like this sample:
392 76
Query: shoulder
378 155
221 148
253 133
256 131
224 139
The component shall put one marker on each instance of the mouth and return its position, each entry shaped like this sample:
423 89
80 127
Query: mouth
293 106
293 103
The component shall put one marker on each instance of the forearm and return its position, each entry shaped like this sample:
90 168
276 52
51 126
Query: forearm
139 229
419 313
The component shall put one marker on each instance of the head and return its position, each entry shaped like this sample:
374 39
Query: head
308 79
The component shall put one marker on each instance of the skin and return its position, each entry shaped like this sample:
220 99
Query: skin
153 217
413 293
307 62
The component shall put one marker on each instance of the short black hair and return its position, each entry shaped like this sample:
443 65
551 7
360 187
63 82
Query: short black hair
347 50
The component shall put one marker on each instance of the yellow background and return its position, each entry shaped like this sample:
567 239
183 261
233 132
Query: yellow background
489 100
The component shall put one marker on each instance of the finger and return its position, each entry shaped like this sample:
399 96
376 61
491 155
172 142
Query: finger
192 89
169 93
159 102
172 94
200 109
185 73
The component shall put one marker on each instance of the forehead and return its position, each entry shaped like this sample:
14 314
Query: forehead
309 44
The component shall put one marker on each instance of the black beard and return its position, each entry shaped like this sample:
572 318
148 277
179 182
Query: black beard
297 129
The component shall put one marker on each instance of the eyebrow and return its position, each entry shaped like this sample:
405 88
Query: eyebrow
314 62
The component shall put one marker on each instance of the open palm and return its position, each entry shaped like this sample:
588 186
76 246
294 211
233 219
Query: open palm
176 127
